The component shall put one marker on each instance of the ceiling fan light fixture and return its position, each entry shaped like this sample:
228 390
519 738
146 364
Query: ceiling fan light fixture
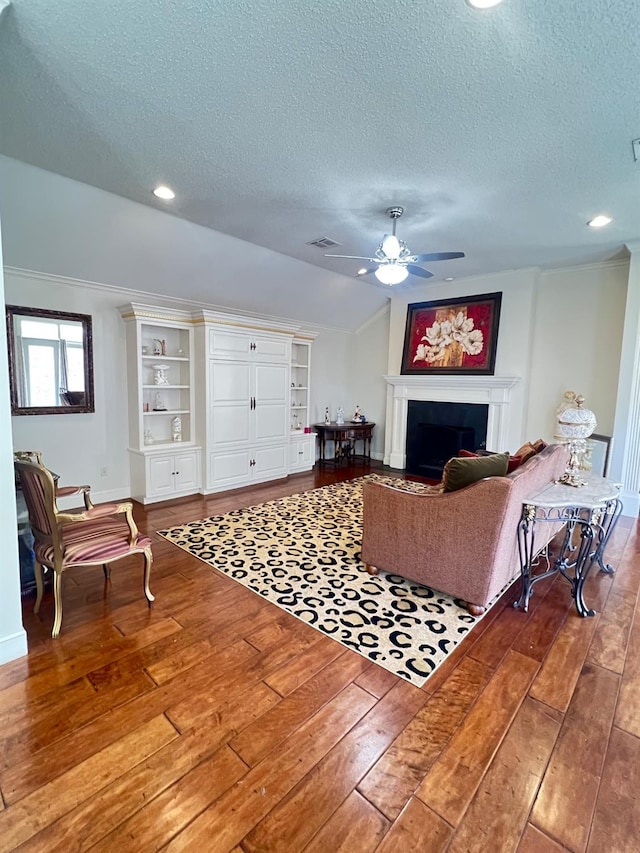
391 273
361 271
483 4
391 246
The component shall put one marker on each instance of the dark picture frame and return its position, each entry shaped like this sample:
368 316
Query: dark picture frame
72 402
452 336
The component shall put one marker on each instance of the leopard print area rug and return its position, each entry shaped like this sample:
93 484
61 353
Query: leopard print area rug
302 553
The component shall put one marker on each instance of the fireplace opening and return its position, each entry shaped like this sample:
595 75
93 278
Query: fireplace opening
438 431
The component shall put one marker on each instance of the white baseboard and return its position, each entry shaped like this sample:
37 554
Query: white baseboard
630 504
104 497
13 646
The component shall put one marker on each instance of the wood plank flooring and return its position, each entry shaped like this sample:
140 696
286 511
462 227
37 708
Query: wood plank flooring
217 722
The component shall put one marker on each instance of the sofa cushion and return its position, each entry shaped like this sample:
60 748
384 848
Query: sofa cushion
530 448
460 471
526 451
514 461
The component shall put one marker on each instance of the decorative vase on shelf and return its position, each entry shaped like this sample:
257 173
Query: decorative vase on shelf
160 374
176 429
158 403
340 415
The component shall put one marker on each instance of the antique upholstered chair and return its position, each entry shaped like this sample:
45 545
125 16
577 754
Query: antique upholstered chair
35 456
95 536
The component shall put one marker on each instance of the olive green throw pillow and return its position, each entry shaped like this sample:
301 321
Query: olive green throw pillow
460 472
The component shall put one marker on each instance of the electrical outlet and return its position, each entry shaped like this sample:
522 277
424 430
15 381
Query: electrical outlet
103 471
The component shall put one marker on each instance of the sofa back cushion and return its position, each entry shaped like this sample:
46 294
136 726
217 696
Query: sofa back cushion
462 471
514 461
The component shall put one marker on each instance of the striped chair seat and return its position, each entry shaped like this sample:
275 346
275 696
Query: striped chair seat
95 541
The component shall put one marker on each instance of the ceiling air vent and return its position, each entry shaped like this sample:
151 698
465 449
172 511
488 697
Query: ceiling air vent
323 243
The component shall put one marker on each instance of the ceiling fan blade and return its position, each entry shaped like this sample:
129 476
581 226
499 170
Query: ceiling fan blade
438 256
414 270
353 257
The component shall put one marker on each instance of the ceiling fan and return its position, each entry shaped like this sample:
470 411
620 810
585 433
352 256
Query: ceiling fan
393 258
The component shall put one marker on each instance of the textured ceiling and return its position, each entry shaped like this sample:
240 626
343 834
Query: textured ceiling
501 132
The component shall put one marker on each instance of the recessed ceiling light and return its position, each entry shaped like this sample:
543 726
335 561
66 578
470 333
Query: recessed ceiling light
361 271
165 193
599 221
483 4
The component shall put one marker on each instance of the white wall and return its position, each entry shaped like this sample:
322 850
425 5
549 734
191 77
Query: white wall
79 446
330 372
13 640
579 318
367 367
559 330
513 353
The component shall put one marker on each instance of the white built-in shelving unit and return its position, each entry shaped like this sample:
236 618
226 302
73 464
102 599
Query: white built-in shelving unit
165 461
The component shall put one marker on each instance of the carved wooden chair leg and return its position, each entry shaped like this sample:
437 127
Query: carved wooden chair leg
37 568
475 609
57 599
148 561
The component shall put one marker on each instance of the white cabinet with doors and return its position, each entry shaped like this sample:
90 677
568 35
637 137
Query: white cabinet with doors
246 424
160 383
157 476
302 452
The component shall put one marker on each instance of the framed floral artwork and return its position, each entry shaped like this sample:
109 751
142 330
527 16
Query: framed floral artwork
452 335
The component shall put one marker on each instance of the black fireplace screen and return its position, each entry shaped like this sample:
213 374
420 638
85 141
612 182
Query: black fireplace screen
438 431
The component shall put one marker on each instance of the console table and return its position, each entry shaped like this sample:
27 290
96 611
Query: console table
592 510
345 437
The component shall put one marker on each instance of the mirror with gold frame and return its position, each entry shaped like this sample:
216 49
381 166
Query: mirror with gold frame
50 361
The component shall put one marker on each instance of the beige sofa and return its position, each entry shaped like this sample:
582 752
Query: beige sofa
463 543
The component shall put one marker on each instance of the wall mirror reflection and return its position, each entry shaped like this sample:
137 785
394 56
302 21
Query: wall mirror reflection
50 361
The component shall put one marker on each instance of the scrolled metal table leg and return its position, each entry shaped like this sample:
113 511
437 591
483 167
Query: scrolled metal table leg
584 561
526 537
611 515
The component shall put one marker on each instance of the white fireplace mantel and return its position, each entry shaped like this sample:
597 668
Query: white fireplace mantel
493 391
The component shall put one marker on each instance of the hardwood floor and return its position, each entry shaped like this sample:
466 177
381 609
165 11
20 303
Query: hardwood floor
217 722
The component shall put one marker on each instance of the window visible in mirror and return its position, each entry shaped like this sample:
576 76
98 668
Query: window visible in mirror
50 361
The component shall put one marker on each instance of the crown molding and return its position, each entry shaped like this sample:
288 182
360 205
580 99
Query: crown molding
596 265
384 309
170 304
